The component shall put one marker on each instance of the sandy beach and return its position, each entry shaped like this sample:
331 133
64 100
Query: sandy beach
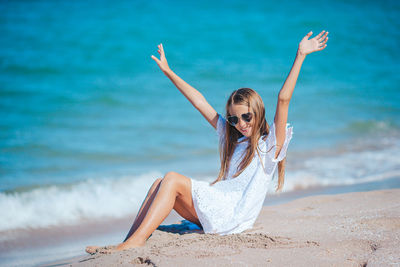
352 229
88 122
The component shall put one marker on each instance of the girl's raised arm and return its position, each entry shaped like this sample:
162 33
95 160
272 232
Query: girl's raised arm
306 47
194 96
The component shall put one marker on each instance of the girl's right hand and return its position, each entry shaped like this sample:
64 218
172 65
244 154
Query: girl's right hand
318 43
162 62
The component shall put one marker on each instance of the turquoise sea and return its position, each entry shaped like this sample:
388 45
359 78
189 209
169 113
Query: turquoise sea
87 119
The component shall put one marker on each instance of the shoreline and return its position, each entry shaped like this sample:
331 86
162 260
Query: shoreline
276 202
350 229
61 244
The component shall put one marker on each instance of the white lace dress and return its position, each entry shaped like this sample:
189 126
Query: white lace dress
233 205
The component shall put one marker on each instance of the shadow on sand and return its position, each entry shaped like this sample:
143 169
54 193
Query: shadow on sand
185 227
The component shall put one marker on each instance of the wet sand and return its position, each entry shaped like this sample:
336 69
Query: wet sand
352 229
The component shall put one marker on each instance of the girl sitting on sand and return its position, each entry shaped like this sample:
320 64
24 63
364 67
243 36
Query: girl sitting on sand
250 151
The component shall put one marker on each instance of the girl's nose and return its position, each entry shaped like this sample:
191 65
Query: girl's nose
242 123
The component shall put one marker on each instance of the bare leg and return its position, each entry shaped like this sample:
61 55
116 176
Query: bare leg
174 188
141 214
179 207
176 191
151 194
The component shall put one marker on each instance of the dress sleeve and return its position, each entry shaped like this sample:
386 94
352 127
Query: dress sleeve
271 143
221 124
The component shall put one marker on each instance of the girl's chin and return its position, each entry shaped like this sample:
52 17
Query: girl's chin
246 133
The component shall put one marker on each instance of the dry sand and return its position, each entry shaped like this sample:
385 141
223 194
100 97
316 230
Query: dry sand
353 229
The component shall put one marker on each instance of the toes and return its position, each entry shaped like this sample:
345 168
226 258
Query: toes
107 249
92 249
102 250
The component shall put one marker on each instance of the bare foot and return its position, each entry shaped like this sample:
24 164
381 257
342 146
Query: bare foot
92 249
103 250
128 245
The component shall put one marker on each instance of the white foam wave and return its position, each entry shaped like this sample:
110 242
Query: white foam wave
63 205
347 168
119 197
300 181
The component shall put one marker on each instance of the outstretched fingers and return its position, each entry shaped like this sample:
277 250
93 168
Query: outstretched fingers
307 35
161 61
323 37
319 35
155 59
322 45
316 43
323 40
321 48
160 52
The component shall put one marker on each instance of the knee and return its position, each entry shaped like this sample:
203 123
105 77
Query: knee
171 177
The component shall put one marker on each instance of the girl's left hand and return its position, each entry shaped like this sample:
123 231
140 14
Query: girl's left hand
317 43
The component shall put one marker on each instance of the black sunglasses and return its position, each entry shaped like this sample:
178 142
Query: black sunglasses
233 120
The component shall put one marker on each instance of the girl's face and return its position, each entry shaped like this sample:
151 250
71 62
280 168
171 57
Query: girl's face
242 126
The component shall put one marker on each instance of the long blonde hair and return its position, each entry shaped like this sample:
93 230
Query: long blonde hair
250 98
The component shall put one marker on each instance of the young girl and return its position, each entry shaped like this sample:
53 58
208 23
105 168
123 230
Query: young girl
250 151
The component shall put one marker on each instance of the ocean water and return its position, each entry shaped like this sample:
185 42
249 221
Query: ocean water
88 119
